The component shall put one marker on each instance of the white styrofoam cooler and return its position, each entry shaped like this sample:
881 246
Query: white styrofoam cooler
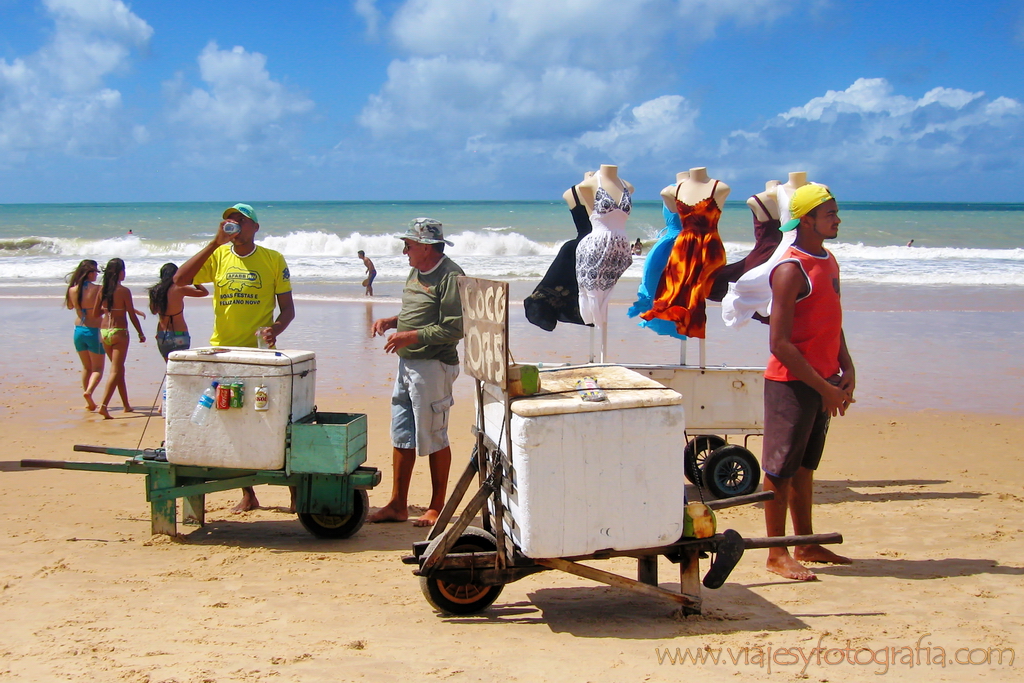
592 476
237 437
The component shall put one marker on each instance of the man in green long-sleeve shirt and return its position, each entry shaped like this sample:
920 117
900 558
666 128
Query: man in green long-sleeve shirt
429 328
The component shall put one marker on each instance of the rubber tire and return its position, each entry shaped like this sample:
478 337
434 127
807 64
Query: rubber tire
334 526
730 471
695 454
461 599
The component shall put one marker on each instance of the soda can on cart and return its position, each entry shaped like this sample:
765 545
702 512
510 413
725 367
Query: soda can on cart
223 396
237 393
261 398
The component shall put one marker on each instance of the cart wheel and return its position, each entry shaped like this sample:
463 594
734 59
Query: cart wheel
730 471
461 598
696 454
338 526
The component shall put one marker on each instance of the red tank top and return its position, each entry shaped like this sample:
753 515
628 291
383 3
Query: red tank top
817 319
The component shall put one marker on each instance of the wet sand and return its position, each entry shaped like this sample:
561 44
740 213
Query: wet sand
926 494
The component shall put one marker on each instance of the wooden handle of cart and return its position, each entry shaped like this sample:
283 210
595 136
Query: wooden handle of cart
758 497
783 541
49 464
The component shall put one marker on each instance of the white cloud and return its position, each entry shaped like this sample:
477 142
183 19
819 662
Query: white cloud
240 113
367 10
661 127
55 101
866 129
504 75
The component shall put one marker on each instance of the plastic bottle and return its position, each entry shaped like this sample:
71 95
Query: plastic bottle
206 400
232 228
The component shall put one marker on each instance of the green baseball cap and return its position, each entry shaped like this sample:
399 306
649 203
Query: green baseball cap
243 209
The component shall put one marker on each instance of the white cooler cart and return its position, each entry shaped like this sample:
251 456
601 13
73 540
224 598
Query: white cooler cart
320 454
561 480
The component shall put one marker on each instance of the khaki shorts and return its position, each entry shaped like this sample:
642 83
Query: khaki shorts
420 403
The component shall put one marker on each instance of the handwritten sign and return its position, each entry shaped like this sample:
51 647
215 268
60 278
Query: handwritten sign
485 323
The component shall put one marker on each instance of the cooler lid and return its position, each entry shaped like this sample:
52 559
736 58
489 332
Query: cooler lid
624 388
242 355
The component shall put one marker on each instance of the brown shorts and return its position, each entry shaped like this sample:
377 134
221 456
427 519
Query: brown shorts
795 427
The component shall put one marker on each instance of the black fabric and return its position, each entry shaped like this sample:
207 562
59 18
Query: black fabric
556 298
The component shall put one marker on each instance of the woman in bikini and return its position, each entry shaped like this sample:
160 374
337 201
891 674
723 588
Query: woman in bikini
80 297
115 305
164 297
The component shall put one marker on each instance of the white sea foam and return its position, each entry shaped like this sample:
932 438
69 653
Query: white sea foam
490 253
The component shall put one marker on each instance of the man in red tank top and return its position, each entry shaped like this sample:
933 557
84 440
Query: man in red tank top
810 376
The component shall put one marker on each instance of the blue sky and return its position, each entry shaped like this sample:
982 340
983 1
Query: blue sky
103 100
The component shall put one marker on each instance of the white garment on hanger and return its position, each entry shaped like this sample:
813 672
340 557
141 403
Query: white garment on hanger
752 293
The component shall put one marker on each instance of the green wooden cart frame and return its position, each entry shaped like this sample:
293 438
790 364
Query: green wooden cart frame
323 461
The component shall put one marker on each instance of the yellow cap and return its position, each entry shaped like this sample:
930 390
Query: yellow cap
804 200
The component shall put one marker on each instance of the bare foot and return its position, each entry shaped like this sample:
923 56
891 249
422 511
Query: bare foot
89 403
816 553
102 410
786 567
427 518
389 513
247 503
129 409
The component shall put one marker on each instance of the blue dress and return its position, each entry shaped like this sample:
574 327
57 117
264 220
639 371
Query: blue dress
654 266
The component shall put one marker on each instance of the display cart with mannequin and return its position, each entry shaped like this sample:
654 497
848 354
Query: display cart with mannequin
721 403
560 479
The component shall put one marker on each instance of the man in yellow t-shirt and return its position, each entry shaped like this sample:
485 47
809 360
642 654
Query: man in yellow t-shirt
247 281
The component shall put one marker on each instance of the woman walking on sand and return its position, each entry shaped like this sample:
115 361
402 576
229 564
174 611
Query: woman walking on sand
80 297
115 304
164 297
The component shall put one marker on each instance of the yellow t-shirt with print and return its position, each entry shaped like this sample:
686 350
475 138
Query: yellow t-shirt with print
244 292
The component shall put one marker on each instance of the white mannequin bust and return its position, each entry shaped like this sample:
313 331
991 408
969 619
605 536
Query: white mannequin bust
668 194
796 179
607 177
784 192
694 188
770 200
567 195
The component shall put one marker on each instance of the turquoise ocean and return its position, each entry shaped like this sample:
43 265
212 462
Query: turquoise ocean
936 326
954 244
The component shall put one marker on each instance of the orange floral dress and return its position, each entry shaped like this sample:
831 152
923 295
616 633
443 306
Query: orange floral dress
696 256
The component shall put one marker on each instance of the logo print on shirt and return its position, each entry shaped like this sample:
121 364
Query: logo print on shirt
237 280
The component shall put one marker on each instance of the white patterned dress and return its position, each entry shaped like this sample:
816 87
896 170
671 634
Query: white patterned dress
603 255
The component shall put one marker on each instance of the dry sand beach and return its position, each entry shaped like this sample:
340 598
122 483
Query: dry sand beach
923 484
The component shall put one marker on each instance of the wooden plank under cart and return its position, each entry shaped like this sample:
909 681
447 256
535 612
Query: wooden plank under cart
463 569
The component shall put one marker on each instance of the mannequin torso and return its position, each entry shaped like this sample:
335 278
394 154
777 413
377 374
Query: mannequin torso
607 178
769 201
696 187
568 196
784 192
668 195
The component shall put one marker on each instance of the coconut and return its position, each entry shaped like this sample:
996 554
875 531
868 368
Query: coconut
699 521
